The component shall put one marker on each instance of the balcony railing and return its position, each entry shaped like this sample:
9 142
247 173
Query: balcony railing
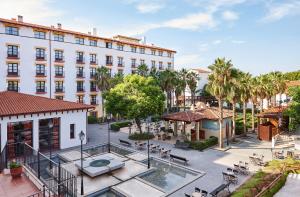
80 101
80 74
133 65
59 89
60 74
93 89
13 73
92 75
109 63
80 60
161 67
13 55
94 102
41 73
40 57
94 61
59 59
80 89
13 88
40 90
120 64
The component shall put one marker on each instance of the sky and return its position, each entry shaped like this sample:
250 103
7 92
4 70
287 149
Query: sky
259 36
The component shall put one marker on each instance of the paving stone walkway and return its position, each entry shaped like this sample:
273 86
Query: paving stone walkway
291 187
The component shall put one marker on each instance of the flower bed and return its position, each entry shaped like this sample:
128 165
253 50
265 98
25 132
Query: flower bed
201 145
141 136
117 125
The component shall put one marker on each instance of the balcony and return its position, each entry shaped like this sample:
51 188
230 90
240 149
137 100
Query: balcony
15 55
120 64
94 102
80 60
93 89
80 74
80 89
60 74
133 65
40 57
13 88
13 73
109 63
59 89
40 73
59 59
94 62
161 68
80 101
92 75
41 90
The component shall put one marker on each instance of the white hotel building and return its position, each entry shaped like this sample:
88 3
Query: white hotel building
58 63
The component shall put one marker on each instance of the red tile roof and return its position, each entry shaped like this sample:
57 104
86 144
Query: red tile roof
14 103
210 113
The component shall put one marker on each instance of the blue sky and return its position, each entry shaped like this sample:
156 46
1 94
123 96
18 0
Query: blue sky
257 35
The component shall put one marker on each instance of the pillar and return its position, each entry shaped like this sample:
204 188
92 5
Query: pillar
197 130
35 134
3 135
175 128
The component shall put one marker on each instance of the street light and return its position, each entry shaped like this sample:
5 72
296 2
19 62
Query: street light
148 130
50 127
108 130
81 137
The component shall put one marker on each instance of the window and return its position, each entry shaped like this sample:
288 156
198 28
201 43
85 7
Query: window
80 72
40 35
72 131
59 86
160 64
93 43
13 51
169 54
93 87
93 58
142 62
58 37
109 72
109 60
12 30
59 71
120 61
80 99
40 70
79 40
80 87
40 86
133 63
142 50
160 53
93 100
12 69
59 55
40 54
120 47
92 72
79 57
133 72
13 86
169 65
153 63
153 52
108 45
59 97
133 49
120 71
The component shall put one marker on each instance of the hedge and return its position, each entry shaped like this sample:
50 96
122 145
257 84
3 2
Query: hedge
141 136
201 145
92 120
117 125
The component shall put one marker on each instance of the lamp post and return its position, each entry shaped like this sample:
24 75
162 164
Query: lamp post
148 131
50 127
108 130
81 137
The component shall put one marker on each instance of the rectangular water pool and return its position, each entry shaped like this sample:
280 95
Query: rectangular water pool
167 176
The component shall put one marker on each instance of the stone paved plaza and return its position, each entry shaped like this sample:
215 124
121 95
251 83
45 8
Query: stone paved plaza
211 161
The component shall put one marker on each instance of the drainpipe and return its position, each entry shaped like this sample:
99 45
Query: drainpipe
50 65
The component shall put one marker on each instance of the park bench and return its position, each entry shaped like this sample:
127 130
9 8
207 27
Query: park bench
125 142
216 191
172 157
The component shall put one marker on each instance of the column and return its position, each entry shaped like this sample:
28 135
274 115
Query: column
197 130
3 134
35 134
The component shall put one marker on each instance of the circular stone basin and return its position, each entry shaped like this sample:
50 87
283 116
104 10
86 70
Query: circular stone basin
100 163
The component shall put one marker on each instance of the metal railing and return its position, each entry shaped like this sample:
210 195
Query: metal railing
13 55
41 57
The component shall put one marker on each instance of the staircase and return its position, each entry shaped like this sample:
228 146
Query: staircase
284 141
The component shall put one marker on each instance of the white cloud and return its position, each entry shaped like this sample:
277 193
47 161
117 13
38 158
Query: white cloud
230 16
279 11
149 7
216 42
238 41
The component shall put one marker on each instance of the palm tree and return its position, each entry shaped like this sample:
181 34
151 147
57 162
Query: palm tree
192 81
254 94
244 87
166 82
179 87
183 75
103 83
279 84
262 89
143 70
218 85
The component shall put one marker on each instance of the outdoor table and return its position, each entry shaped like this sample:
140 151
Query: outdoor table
219 189
197 194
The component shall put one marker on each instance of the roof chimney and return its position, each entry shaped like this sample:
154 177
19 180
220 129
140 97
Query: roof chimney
20 18
94 31
58 25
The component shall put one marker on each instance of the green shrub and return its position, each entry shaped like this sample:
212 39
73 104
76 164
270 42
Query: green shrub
92 120
201 145
280 183
14 164
141 136
117 125
155 118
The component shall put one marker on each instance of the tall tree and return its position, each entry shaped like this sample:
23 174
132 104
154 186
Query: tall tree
183 74
103 83
116 79
179 87
166 82
254 94
279 84
218 85
245 96
192 81
143 70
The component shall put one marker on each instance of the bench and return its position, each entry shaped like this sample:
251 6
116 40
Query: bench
181 145
125 142
219 189
172 157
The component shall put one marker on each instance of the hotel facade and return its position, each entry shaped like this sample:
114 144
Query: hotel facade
57 63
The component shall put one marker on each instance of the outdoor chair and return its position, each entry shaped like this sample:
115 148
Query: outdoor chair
225 176
236 167
187 195
197 189
233 179
236 172
229 169
204 193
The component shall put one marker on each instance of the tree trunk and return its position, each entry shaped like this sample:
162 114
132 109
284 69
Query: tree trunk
184 100
221 123
244 118
102 103
253 118
233 120
138 123
170 100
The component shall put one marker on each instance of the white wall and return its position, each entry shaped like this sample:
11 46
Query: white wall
66 118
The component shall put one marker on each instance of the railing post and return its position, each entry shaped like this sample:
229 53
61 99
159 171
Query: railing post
44 191
39 170
59 179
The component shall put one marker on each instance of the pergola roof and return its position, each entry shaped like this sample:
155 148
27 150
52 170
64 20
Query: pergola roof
273 112
210 113
14 103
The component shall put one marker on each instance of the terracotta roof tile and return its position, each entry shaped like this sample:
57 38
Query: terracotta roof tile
14 103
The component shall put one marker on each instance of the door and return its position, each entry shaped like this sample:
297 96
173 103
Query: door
201 134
